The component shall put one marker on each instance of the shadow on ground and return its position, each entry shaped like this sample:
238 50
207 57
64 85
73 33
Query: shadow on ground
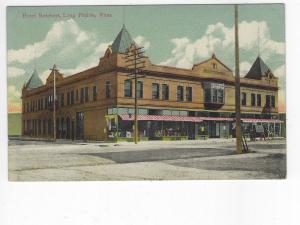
161 154
274 164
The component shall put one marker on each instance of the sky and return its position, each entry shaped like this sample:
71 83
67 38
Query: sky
75 37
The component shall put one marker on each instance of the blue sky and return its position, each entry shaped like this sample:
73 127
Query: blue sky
171 34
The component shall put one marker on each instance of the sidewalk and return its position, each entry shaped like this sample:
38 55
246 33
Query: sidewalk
141 143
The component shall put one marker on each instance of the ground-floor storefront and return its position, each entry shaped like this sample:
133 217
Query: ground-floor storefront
155 127
117 124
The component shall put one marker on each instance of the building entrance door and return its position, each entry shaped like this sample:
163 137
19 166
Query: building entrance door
214 129
224 130
79 125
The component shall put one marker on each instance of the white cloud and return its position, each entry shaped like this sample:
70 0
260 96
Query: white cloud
62 33
280 74
14 71
244 67
142 41
91 60
219 38
13 94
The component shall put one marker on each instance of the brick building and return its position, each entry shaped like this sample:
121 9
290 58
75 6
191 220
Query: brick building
174 103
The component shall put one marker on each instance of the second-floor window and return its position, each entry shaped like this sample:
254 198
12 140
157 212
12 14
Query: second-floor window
244 99
62 99
128 88
165 92
46 103
268 101
81 95
139 89
107 89
72 97
189 94
258 99
214 93
253 99
77 95
179 93
86 94
94 93
68 98
155 91
273 101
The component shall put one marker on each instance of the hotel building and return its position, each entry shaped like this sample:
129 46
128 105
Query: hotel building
173 103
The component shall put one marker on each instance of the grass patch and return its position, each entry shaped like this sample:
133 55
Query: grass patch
14 123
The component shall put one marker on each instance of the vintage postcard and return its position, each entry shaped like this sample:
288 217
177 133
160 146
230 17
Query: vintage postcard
146 92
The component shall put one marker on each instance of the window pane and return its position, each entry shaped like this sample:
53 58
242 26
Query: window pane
86 94
179 93
128 88
107 89
267 100
94 93
165 92
253 103
189 94
244 99
155 91
258 100
81 95
140 89
220 96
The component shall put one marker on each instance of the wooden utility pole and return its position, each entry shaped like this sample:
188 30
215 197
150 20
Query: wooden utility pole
54 69
239 146
135 57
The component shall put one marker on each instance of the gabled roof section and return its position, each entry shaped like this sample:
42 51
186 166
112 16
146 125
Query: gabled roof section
58 75
34 81
122 42
213 57
258 70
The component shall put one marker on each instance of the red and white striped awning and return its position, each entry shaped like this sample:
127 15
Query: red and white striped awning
248 120
162 118
216 118
192 118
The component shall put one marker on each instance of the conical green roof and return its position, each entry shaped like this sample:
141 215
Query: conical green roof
122 42
34 81
258 69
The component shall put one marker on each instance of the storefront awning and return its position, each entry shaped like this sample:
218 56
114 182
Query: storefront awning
130 117
216 118
161 118
248 120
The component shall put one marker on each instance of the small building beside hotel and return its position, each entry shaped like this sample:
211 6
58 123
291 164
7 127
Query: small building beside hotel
173 103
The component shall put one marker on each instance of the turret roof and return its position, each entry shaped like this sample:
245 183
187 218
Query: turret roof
34 81
122 42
